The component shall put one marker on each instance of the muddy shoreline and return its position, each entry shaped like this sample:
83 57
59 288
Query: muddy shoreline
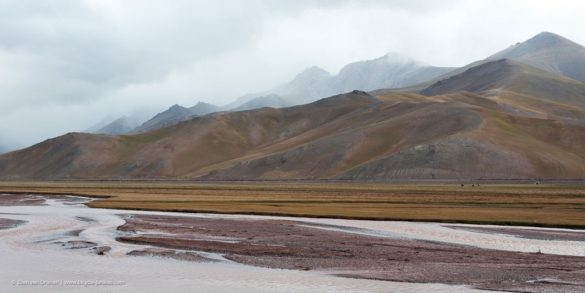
288 244
20 199
528 233
17 200
8 223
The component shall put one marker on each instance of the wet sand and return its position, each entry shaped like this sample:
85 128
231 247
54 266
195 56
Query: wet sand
17 200
289 244
21 200
8 223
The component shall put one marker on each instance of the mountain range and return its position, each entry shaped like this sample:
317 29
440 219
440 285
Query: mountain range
176 114
518 114
389 71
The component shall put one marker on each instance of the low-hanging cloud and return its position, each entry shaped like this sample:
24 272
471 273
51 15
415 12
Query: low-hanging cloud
67 64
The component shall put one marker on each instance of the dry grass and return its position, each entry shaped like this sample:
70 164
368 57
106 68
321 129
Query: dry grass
538 205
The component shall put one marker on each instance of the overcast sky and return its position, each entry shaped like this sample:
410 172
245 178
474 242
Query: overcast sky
65 65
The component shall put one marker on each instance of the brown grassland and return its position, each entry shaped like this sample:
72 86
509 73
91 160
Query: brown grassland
513 204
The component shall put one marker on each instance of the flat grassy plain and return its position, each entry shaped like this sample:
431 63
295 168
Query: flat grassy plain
560 205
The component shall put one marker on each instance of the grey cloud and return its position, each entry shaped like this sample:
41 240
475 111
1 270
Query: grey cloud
74 52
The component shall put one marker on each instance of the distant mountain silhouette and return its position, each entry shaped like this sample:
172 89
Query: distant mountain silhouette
176 114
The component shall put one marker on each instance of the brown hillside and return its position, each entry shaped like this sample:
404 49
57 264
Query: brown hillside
500 120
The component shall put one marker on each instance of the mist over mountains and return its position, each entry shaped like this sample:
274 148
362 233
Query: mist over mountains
547 51
519 117
389 71
175 114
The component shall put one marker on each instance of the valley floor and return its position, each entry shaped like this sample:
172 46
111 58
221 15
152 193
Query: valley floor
545 205
223 253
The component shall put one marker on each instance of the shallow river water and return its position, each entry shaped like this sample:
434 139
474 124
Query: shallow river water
33 260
